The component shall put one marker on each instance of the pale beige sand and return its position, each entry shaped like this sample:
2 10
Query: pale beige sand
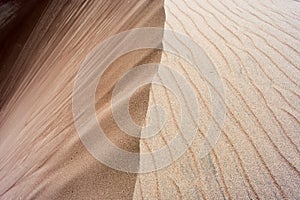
254 45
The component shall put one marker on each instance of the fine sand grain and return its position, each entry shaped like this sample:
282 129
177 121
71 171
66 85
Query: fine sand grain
255 48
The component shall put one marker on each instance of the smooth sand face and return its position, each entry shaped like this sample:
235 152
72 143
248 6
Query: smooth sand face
41 153
255 47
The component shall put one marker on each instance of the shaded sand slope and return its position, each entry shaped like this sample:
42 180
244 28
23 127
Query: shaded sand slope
41 154
255 47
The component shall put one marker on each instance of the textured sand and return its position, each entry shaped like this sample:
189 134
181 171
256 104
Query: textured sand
255 47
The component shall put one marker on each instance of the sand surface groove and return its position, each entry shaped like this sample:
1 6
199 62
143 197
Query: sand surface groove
255 47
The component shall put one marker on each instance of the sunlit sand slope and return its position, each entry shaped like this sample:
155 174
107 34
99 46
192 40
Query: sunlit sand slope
255 47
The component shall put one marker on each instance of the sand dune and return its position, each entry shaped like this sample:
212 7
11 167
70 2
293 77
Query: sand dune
254 48
41 154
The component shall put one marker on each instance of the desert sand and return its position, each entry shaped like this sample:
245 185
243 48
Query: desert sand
254 47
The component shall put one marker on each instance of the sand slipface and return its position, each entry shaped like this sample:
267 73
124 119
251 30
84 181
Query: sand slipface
41 154
254 51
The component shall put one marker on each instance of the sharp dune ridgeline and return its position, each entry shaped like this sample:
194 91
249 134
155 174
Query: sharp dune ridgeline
254 48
